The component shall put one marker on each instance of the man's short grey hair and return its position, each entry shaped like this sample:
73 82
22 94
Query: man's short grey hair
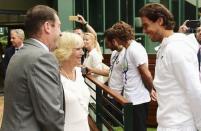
19 33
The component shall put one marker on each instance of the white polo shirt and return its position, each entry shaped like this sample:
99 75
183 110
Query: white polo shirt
134 89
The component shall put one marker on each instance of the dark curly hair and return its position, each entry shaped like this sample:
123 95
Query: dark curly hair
120 30
153 11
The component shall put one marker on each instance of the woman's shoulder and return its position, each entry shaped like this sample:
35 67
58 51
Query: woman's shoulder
95 56
93 52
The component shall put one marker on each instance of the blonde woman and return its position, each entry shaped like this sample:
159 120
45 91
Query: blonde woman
94 56
69 53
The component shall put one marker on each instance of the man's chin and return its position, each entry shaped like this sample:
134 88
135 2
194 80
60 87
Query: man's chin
155 40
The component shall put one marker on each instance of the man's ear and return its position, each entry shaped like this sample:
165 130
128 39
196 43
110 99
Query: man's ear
160 21
47 27
114 42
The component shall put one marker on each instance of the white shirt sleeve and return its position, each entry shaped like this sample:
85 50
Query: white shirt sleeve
139 55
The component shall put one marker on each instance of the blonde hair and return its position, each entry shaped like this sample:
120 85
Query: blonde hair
66 43
96 44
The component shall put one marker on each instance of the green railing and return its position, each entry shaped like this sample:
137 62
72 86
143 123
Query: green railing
105 118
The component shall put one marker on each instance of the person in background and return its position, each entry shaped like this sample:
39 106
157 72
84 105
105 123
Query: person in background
176 73
80 32
94 55
137 79
16 38
115 81
85 24
33 93
93 60
198 34
194 37
69 53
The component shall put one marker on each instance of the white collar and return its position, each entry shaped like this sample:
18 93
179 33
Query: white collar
42 44
20 46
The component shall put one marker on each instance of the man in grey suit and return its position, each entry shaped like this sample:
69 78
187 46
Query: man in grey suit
33 91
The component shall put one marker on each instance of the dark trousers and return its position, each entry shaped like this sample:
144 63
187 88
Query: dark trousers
140 117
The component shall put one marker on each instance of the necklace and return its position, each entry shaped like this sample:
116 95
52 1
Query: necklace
66 75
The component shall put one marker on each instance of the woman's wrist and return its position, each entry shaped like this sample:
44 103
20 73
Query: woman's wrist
85 23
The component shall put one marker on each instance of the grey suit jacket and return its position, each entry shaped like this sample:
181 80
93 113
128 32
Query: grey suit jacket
33 91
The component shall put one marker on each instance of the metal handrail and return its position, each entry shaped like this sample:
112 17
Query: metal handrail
106 89
100 111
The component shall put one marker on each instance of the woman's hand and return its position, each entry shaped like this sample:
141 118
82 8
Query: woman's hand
89 70
81 19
